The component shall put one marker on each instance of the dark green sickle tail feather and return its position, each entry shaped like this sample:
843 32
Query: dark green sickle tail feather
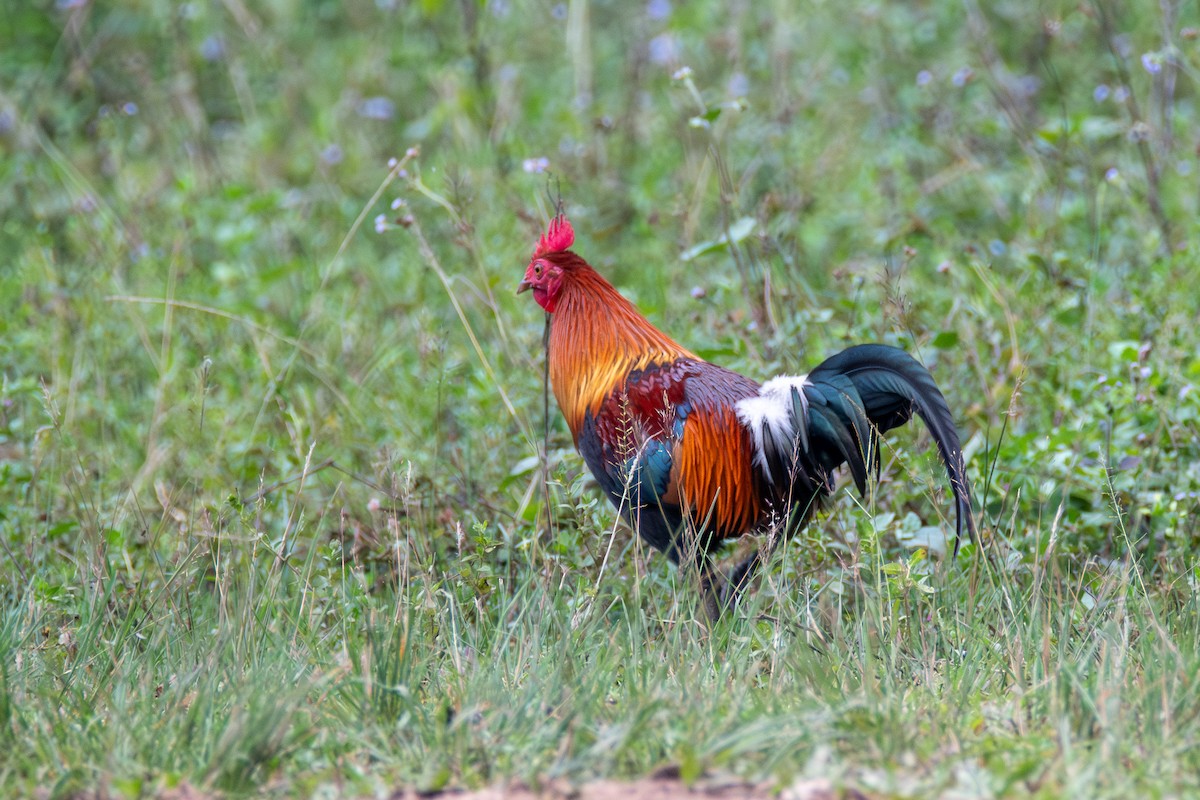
886 386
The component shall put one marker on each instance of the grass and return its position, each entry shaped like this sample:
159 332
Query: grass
273 518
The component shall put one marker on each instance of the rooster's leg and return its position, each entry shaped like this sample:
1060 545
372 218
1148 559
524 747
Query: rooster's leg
711 593
739 579
742 575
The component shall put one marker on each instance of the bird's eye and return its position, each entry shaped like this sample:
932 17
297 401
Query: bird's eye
537 270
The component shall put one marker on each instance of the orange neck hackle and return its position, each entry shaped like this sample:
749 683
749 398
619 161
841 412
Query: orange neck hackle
597 338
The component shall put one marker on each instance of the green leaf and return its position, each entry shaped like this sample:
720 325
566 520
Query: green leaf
946 340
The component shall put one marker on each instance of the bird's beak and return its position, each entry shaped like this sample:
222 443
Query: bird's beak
524 286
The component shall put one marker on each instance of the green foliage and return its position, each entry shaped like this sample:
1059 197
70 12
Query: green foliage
274 511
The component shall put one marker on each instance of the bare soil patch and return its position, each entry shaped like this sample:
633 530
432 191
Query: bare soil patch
657 788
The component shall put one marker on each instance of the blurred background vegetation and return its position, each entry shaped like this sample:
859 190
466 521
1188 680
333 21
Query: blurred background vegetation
228 374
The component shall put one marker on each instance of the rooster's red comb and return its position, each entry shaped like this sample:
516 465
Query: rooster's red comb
559 236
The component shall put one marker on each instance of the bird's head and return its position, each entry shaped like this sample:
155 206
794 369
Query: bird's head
544 275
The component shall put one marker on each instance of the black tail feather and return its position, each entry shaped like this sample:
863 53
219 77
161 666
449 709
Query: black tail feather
887 385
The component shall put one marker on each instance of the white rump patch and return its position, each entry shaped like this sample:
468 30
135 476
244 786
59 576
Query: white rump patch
768 417
782 385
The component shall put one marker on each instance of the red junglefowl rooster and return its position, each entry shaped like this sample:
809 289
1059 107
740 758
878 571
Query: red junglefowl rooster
691 453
